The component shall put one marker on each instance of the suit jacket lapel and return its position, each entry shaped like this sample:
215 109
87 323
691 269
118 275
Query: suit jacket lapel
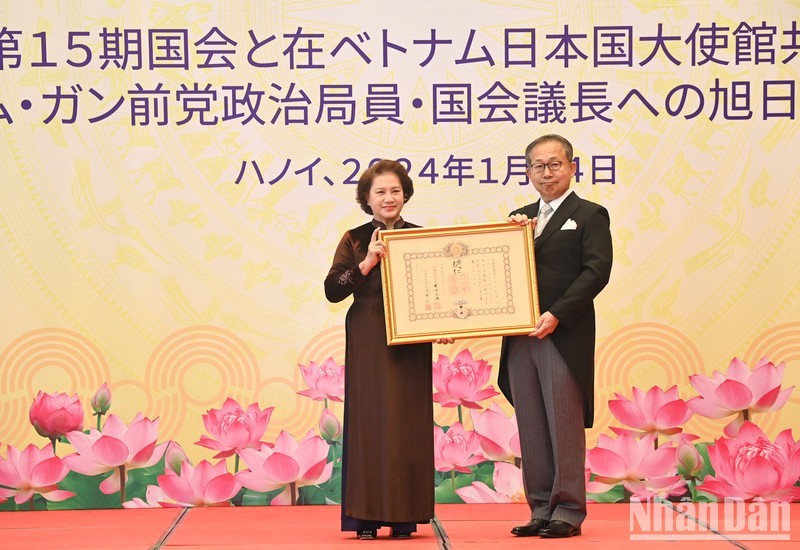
558 218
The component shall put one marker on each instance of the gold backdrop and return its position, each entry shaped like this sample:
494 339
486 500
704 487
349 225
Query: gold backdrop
130 254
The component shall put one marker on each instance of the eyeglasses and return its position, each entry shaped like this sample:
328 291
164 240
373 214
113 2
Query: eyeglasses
554 166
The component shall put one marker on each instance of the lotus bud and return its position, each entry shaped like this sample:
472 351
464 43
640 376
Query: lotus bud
329 427
689 461
101 400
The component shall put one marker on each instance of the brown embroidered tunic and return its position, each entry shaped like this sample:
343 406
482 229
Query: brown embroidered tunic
388 421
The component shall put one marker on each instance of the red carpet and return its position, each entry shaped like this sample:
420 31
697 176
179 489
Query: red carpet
84 529
480 526
473 527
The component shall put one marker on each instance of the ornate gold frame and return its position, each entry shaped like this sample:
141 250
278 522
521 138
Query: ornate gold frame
462 281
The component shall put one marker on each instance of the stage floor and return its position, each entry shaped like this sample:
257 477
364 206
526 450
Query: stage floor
472 527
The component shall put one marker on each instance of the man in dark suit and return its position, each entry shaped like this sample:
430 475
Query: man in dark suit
549 375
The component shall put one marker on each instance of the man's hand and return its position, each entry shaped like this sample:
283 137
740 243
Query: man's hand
522 219
546 325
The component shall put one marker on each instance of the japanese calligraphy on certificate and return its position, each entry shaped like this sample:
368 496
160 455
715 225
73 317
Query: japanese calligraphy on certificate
459 282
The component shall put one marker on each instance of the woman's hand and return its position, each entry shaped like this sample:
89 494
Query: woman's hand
375 251
443 341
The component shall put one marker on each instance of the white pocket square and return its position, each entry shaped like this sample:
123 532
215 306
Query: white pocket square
569 225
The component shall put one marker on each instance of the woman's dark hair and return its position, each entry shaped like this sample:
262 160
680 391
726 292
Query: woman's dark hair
382 167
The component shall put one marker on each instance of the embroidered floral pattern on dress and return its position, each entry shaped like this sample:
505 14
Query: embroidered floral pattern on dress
346 278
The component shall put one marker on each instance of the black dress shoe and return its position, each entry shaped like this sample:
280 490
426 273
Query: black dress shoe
401 534
530 529
367 534
558 529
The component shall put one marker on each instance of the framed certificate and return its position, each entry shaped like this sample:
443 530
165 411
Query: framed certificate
459 281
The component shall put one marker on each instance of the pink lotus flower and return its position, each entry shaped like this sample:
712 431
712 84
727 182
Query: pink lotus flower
204 485
55 415
499 435
174 458
325 381
330 427
507 481
232 428
739 392
656 412
101 400
30 472
751 467
116 446
154 497
459 381
456 449
288 464
644 471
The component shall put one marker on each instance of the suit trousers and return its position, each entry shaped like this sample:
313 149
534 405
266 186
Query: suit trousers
549 408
